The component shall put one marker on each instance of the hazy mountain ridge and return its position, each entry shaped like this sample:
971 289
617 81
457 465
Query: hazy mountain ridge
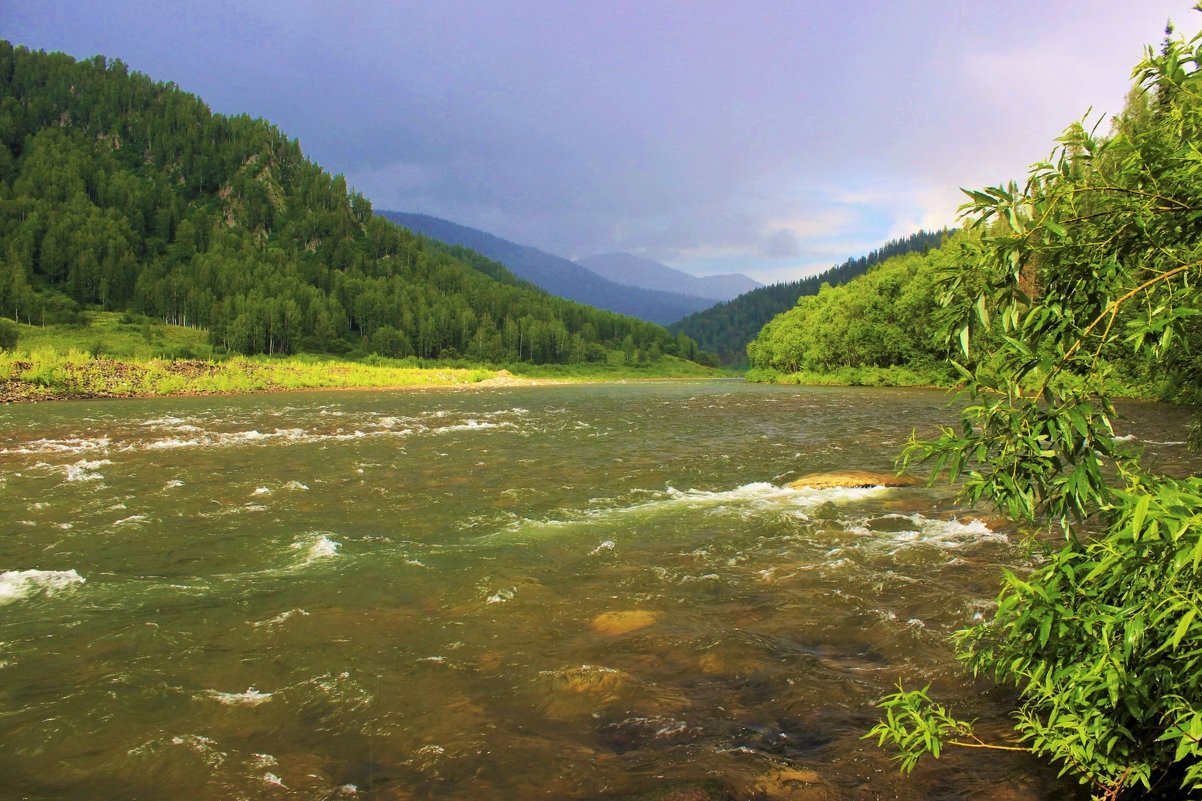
555 274
632 270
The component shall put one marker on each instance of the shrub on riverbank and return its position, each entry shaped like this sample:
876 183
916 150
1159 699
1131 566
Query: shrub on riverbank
895 376
1095 261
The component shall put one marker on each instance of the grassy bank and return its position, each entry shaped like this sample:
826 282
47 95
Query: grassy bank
122 356
47 374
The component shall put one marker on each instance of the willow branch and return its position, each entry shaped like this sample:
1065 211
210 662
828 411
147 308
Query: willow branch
990 746
1111 310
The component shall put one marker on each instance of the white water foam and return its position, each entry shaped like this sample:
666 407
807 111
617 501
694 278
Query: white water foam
1133 438
250 697
18 584
471 425
340 689
85 470
760 495
501 596
264 760
948 534
204 747
171 433
747 500
68 445
282 617
225 439
315 546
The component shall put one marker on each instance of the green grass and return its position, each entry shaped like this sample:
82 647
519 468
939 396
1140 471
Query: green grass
118 335
47 374
122 355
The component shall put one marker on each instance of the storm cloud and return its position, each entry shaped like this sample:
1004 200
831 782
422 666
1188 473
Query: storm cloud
769 138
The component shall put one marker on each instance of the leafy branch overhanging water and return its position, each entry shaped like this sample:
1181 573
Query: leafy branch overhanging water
1094 260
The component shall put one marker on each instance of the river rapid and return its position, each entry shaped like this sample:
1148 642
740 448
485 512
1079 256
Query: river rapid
575 592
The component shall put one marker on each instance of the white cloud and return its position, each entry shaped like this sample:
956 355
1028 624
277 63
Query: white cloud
927 208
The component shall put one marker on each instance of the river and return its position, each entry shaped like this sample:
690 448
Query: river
576 592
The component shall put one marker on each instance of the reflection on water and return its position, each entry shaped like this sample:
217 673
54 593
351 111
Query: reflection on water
578 592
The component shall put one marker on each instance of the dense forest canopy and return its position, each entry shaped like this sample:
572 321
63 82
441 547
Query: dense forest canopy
726 328
882 318
121 193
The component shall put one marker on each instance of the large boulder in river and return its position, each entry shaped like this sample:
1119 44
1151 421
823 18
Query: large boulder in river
616 623
851 479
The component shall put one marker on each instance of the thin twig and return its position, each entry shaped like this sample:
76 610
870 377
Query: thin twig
1111 309
990 746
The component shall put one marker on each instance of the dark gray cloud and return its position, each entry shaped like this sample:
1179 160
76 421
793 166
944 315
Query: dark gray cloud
772 138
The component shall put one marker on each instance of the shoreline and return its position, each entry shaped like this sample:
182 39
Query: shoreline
42 377
16 391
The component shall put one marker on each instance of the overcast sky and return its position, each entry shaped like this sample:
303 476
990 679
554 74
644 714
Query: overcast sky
769 138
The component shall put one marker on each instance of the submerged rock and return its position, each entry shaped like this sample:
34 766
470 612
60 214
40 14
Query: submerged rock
615 623
791 784
730 662
710 790
577 693
589 679
851 479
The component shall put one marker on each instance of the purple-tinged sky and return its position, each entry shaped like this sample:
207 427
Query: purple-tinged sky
769 138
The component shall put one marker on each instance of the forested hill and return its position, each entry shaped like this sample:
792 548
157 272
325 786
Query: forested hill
726 328
881 319
557 275
118 192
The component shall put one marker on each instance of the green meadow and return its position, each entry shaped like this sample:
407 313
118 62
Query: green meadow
122 355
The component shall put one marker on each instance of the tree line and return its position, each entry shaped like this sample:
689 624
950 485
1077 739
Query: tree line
882 318
118 192
726 328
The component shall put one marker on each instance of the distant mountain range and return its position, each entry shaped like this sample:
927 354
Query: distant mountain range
632 270
566 278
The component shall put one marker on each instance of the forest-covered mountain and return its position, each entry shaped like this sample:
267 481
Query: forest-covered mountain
726 328
555 274
119 192
632 270
882 317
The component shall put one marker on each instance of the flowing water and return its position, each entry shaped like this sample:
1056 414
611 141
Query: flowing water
558 592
